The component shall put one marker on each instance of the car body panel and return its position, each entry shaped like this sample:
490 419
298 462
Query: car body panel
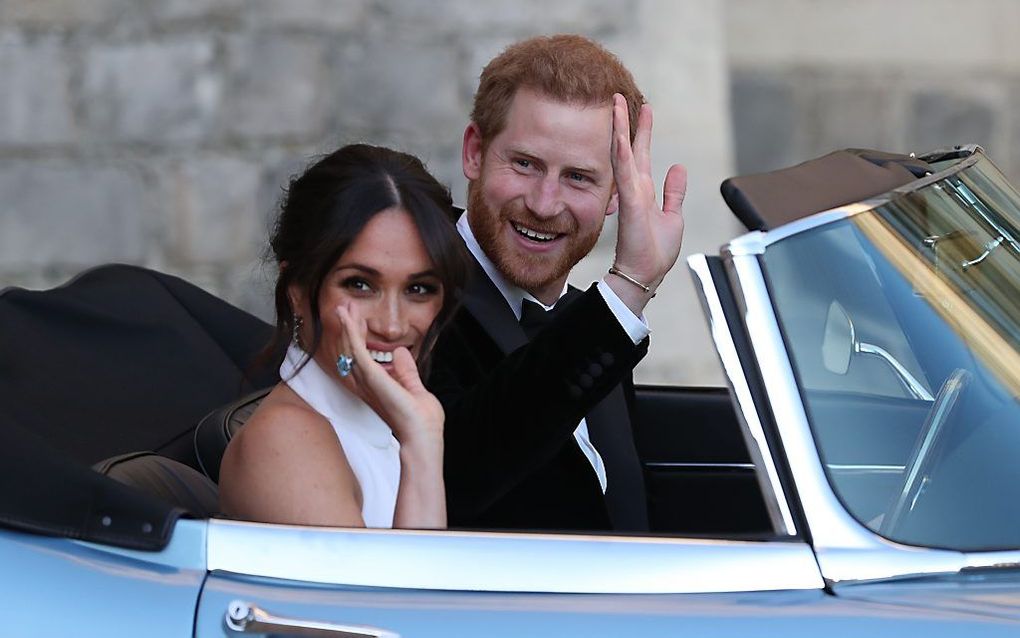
422 614
993 593
59 587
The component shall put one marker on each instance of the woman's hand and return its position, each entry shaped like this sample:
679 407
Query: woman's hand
414 415
400 398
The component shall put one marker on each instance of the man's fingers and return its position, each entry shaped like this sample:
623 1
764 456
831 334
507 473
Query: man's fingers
675 189
624 171
643 141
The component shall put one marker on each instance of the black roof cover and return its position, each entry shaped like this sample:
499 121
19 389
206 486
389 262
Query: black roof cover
768 200
120 359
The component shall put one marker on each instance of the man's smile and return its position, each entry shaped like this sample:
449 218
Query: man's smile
534 235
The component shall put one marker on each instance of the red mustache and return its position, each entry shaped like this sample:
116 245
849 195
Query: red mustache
517 213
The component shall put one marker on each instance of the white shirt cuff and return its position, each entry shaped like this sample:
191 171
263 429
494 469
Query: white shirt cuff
635 327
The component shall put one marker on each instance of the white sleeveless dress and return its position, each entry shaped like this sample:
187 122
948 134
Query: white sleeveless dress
372 451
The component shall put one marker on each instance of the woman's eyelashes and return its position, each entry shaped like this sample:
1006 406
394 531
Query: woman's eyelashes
357 285
423 289
363 287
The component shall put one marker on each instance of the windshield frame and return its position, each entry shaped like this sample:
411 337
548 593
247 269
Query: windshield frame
847 550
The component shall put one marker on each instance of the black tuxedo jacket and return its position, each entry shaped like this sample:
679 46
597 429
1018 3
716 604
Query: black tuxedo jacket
511 460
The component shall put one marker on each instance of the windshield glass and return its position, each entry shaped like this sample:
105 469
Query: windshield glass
903 324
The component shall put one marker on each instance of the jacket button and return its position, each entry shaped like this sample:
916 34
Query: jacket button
607 359
585 381
595 370
574 391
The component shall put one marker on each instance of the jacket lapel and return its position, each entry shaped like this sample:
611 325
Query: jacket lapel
485 303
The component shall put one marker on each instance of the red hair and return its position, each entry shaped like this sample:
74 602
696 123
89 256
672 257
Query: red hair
567 68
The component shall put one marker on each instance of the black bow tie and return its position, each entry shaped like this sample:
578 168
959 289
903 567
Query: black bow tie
534 316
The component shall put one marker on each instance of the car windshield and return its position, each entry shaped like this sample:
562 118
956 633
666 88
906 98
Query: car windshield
903 324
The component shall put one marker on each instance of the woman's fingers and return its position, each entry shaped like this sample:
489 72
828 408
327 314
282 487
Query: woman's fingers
352 342
405 371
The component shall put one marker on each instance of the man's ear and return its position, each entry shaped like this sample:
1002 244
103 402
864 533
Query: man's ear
471 152
614 203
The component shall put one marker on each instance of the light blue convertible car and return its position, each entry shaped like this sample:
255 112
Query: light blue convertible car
859 476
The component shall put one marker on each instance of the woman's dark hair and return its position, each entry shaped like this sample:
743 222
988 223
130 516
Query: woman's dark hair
325 209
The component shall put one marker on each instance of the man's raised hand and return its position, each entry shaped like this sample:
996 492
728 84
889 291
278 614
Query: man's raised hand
649 236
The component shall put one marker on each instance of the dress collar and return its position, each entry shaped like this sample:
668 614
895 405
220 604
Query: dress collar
332 399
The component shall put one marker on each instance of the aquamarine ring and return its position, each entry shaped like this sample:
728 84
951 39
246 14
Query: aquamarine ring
344 365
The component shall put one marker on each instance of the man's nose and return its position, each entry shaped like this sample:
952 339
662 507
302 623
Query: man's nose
389 321
544 198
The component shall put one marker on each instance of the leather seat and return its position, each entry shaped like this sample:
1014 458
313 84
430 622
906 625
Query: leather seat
164 478
216 429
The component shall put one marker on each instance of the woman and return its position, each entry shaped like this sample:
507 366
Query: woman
370 264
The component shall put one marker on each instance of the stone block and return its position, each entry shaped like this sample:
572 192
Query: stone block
153 92
67 214
62 13
942 118
278 169
875 34
526 18
328 15
277 86
198 9
35 105
765 121
211 209
410 90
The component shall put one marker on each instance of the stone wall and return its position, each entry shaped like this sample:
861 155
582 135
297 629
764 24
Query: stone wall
812 76
161 132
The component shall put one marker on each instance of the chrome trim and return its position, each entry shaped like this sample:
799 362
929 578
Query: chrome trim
755 242
248 618
850 468
1007 559
910 383
846 550
669 465
508 562
776 502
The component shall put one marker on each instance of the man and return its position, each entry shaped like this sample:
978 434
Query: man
537 429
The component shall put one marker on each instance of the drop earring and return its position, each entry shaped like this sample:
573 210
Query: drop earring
298 322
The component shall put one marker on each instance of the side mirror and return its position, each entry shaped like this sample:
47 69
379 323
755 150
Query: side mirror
839 340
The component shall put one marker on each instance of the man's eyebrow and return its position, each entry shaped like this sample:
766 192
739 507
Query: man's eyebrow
578 168
584 169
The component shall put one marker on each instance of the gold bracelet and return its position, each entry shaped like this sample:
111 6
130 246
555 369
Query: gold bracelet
626 277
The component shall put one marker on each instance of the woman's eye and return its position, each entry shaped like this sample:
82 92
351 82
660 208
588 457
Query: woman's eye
357 285
422 289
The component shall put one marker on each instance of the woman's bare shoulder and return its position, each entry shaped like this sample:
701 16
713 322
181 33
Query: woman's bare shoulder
283 430
272 464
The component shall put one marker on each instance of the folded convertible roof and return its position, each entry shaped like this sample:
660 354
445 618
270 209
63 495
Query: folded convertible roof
764 201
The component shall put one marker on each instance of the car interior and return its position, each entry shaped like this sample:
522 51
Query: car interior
144 377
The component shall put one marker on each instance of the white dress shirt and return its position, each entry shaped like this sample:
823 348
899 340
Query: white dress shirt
634 326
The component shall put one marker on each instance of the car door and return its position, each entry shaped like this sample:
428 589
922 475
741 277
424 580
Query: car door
284 580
